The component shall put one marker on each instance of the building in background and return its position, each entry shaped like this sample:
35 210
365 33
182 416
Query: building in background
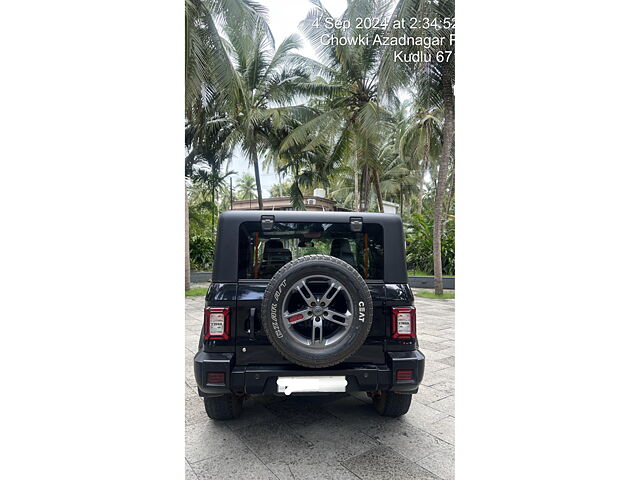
315 202
390 207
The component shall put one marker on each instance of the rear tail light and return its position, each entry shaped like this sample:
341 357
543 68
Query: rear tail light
216 323
403 324
404 374
215 377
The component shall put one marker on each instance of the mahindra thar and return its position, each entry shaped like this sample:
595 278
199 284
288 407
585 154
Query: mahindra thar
308 302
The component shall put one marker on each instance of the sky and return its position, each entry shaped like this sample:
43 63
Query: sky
284 16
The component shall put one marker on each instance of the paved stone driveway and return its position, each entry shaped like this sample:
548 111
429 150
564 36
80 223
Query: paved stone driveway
332 436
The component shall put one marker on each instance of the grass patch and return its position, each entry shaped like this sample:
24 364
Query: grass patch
421 273
196 292
433 295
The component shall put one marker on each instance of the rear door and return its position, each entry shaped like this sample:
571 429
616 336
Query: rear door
263 251
253 346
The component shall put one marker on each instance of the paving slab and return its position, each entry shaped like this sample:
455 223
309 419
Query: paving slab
275 442
420 415
446 405
300 410
193 408
304 471
205 440
445 385
428 395
407 440
440 461
189 474
335 440
384 463
233 466
253 413
433 346
330 436
443 429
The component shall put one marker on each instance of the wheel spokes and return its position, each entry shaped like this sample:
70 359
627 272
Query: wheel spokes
330 294
305 292
317 326
323 302
341 319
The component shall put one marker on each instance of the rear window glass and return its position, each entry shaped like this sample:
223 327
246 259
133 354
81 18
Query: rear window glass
262 254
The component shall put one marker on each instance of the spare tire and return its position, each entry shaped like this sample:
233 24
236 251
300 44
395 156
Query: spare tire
317 311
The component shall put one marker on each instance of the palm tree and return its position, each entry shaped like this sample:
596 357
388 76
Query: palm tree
443 170
436 79
187 254
201 40
352 119
280 189
420 142
246 187
205 135
212 179
306 168
258 83
224 196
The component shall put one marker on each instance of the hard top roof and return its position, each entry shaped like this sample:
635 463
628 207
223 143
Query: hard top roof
226 259
310 216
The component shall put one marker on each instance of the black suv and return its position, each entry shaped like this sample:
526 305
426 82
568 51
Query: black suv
308 302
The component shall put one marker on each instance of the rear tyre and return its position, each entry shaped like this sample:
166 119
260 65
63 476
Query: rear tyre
224 407
392 404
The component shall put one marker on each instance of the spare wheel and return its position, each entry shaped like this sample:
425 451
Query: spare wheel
317 311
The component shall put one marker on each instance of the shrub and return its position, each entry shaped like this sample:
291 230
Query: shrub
449 250
201 250
420 245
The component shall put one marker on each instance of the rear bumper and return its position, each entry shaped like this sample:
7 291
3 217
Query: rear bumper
262 379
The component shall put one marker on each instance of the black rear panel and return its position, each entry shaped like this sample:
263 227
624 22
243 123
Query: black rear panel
252 347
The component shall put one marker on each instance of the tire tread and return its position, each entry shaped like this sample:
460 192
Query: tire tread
223 407
392 404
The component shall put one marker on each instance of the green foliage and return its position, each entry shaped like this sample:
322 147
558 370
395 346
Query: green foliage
201 250
280 189
199 221
196 292
420 245
246 187
319 248
335 122
449 250
429 294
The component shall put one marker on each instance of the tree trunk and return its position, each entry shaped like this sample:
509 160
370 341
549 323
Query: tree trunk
366 188
443 170
187 258
256 172
213 212
425 165
280 185
213 226
376 184
356 187
450 197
